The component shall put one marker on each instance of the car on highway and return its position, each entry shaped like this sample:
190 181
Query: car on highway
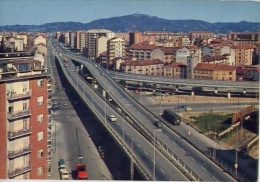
112 118
188 108
65 104
180 107
158 124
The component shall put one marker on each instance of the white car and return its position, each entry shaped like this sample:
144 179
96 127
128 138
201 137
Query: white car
112 118
64 175
188 108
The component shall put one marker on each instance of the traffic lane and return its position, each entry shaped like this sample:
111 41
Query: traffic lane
101 105
145 152
163 169
66 117
207 170
193 166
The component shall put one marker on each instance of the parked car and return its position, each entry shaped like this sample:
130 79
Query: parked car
65 104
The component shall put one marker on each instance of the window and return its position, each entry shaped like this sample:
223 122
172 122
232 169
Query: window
23 67
40 100
25 106
40 153
40 136
25 124
40 171
40 83
40 118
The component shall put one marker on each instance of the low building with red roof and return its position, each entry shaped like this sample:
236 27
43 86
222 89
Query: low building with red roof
145 67
204 71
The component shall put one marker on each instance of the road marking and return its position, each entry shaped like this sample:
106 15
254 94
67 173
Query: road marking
133 139
167 136
174 142
182 150
139 145
127 133
145 152
192 158
203 168
215 178
163 171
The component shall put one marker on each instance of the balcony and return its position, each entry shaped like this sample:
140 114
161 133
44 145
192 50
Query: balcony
19 171
19 114
19 133
19 152
13 96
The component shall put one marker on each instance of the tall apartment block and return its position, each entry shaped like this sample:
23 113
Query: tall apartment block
116 47
23 119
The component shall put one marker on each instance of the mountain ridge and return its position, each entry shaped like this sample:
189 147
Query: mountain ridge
140 22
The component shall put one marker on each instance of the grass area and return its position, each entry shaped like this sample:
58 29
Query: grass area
210 122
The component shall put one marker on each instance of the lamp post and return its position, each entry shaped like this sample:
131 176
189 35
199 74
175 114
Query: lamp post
160 114
236 162
106 107
124 121
154 163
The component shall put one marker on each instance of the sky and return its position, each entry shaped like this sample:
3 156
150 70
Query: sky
37 12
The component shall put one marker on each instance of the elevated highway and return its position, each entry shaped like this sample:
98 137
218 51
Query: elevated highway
140 150
173 144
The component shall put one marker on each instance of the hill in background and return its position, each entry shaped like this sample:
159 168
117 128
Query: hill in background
140 22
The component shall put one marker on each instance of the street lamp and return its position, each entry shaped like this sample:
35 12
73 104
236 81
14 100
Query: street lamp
154 163
106 107
236 163
124 121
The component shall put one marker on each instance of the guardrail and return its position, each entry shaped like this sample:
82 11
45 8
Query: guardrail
139 165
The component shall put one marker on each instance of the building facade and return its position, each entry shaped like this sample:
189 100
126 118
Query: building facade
116 47
204 71
23 120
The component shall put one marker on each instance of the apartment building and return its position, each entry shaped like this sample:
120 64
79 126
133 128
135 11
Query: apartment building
140 51
90 40
101 45
116 47
23 36
200 36
39 39
152 67
23 119
80 40
123 35
183 41
173 70
135 37
72 39
243 38
166 43
204 71
244 54
166 54
153 36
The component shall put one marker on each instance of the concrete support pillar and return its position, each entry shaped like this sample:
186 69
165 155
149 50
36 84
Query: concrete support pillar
216 90
177 88
244 91
192 93
228 95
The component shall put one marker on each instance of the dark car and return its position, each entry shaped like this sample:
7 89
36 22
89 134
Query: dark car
158 124
180 107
